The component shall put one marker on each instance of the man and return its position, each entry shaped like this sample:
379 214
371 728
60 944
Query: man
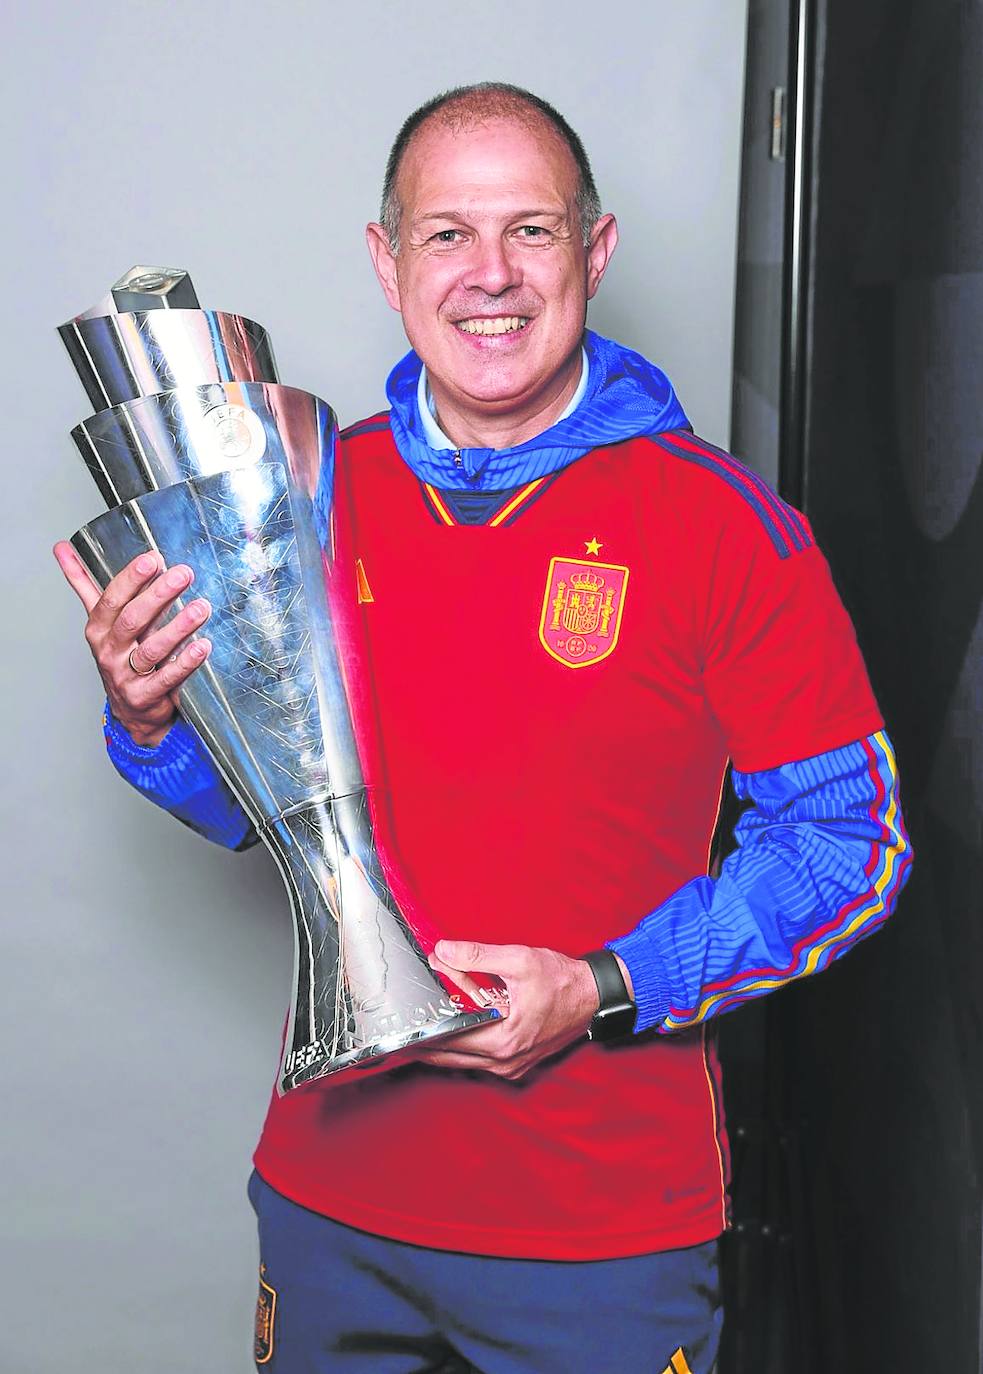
576 612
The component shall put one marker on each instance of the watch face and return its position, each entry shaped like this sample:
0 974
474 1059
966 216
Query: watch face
613 1023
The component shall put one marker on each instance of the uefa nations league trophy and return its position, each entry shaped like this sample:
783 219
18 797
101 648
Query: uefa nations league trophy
204 458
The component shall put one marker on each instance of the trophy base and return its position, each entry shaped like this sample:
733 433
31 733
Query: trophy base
374 1054
387 1045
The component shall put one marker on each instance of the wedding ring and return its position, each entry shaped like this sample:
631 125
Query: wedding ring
146 672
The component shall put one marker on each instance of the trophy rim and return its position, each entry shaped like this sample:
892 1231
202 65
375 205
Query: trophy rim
79 321
378 1051
187 389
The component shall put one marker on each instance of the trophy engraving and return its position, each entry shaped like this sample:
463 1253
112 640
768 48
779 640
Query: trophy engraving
234 475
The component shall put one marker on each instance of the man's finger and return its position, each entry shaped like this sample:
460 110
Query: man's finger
143 607
446 1059
469 955
76 574
507 1066
164 643
489 1041
470 987
121 590
457 1053
172 674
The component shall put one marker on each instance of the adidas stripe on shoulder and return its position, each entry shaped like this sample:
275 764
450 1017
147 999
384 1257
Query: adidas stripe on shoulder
372 425
786 527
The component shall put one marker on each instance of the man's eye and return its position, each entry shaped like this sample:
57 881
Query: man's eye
533 231
447 236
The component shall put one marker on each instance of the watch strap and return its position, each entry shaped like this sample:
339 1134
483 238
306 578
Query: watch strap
615 1016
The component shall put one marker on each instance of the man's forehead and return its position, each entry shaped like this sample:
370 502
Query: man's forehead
468 154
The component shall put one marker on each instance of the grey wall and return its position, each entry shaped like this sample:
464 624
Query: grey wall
145 974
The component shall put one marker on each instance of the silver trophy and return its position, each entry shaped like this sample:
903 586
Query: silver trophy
205 459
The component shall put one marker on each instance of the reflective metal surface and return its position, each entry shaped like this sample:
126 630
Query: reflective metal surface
119 357
155 441
153 288
363 987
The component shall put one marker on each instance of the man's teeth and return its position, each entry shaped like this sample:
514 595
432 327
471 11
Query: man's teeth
505 324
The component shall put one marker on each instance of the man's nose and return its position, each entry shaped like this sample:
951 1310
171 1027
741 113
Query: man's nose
492 267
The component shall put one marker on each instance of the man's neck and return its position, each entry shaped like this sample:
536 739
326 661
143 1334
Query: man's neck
462 428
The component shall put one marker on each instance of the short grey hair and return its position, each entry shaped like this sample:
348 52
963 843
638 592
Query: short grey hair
466 105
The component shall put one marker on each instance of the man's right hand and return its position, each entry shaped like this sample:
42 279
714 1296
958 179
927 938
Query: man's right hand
141 676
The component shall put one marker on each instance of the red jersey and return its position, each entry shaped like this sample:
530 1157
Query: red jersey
558 692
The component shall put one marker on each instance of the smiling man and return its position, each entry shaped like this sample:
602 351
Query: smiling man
577 612
489 256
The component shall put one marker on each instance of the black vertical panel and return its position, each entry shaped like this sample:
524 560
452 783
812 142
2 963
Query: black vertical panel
883 1055
859 388
756 1300
772 1258
755 411
803 64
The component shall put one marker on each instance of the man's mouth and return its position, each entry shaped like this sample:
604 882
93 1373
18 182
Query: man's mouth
501 324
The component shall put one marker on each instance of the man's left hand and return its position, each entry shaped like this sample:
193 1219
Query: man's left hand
551 1001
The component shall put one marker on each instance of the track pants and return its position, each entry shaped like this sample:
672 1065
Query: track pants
333 1298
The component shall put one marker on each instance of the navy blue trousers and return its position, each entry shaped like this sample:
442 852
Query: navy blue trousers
333 1298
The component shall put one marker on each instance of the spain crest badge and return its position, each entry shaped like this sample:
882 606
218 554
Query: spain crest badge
582 608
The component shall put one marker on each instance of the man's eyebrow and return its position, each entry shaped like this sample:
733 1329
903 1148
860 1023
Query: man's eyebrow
438 214
553 211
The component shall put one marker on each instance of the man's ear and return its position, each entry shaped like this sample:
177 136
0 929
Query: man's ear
384 262
603 242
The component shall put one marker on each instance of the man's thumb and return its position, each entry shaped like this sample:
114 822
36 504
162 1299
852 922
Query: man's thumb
468 954
462 954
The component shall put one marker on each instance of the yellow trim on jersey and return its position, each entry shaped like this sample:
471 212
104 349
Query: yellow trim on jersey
438 505
716 816
517 500
362 583
510 507
716 1124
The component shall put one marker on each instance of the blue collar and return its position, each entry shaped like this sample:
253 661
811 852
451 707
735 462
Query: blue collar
626 396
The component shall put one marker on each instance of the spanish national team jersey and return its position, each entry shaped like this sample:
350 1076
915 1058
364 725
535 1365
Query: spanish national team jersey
557 693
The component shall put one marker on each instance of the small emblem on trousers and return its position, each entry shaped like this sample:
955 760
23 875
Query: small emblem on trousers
265 1318
582 608
678 1364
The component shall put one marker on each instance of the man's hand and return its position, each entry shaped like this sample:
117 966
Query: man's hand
551 1000
143 700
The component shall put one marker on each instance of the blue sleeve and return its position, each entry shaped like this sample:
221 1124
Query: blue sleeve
822 855
180 776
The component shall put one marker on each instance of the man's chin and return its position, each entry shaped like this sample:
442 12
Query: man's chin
489 380
505 398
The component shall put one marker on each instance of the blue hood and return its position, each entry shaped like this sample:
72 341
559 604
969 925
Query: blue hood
626 397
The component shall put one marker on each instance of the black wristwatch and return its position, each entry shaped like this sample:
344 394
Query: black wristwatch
615 1017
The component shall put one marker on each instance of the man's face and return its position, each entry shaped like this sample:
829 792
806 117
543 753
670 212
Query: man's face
492 277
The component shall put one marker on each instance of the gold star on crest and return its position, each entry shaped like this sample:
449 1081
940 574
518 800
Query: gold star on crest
592 546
